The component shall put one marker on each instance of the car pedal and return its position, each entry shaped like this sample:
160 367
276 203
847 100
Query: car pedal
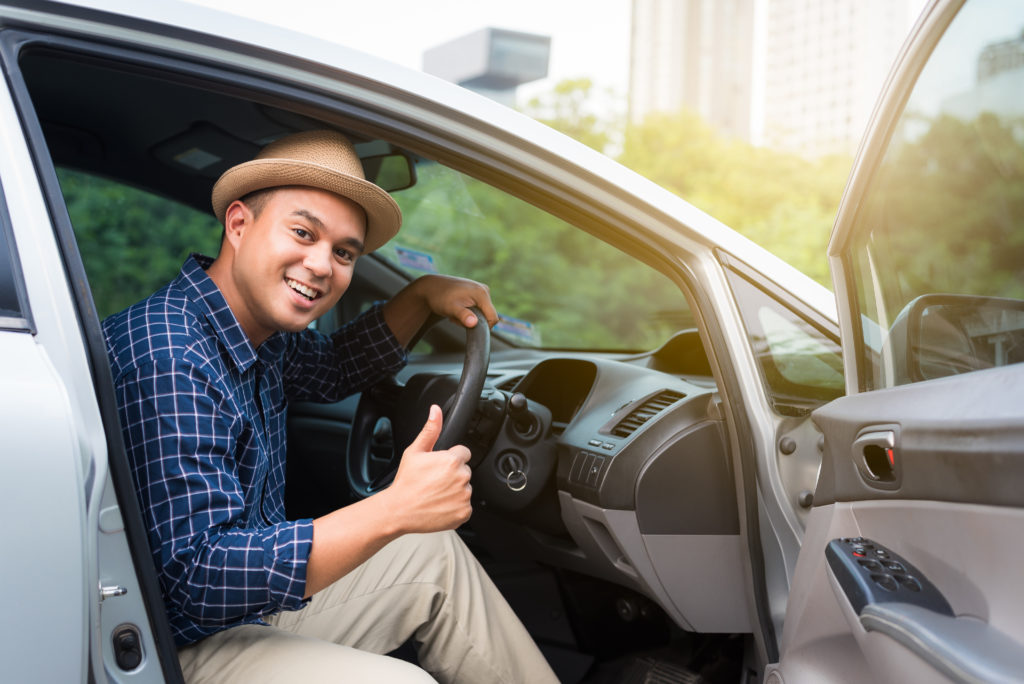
652 671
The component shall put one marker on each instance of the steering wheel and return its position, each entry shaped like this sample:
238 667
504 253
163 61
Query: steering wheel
406 407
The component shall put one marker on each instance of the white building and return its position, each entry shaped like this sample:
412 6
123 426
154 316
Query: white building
491 61
697 54
800 75
824 65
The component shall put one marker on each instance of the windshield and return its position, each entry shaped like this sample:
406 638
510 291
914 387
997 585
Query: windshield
554 285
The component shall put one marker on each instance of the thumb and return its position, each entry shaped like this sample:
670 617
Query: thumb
431 431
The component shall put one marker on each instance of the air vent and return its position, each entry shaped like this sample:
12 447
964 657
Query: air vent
509 384
645 411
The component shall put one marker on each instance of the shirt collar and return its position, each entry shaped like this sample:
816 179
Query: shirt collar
201 289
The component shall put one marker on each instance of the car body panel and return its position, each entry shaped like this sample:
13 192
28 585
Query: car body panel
103 558
41 487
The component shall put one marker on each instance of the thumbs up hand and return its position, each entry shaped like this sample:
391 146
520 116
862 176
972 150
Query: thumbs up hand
431 491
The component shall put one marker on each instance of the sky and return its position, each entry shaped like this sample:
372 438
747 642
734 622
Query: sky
589 37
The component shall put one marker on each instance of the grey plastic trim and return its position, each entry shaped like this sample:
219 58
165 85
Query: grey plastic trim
964 649
958 439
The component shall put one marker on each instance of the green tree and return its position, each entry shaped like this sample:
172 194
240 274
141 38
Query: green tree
946 211
131 242
570 108
781 201
577 291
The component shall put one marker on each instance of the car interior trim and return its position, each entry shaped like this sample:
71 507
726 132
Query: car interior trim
938 458
964 649
743 454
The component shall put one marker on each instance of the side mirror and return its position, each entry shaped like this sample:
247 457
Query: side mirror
390 171
948 334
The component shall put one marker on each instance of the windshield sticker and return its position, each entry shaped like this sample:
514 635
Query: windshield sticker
516 328
410 258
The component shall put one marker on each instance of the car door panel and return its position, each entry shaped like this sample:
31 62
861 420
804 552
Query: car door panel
963 549
956 439
955 513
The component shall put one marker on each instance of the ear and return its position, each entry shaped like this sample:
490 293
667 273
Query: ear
237 218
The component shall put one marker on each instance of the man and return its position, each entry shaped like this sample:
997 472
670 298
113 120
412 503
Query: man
204 369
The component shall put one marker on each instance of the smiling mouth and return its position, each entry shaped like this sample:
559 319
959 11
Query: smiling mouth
304 290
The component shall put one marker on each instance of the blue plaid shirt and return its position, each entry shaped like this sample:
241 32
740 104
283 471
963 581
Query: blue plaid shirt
203 419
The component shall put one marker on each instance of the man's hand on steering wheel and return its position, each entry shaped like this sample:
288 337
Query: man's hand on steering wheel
431 491
445 296
407 314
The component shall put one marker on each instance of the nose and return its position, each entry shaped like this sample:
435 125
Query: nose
318 261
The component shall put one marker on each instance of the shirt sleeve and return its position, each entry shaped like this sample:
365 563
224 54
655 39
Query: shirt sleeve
218 561
358 355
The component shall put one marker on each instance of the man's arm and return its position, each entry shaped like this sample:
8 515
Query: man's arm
372 346
216 565
445 296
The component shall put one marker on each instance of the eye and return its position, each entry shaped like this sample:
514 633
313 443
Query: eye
302 233
344 255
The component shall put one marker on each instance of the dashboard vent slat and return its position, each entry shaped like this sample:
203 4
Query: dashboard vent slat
509 384
645 411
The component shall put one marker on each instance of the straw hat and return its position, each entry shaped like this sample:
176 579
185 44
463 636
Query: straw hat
318 159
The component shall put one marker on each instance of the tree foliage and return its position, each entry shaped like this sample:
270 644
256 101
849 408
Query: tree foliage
577 291
131 242
779 200
569 108
946 213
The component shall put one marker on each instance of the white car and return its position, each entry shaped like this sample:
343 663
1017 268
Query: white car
690 459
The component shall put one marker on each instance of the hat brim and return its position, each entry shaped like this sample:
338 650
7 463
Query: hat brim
383 216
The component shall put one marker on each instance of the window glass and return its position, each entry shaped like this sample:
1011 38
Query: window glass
945 213
802 367
554 285
9 305
132 242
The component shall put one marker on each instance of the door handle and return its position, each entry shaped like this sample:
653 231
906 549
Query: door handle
875 453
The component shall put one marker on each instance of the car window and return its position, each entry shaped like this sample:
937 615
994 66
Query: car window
938 254
132 242
9 305
554 285
12 311
801 365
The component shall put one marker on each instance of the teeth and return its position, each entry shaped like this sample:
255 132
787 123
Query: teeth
307 292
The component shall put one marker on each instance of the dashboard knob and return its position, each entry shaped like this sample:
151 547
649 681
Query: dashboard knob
518 406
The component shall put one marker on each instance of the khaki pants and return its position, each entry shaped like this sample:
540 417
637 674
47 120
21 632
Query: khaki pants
427 587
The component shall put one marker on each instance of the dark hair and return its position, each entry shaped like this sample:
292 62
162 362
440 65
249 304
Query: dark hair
257 200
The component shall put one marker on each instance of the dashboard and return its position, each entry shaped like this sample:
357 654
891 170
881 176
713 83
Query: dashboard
615 468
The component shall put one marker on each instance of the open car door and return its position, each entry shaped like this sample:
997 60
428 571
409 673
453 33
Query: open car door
910 569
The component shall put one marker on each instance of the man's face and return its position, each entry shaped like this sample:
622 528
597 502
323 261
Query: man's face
294 261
